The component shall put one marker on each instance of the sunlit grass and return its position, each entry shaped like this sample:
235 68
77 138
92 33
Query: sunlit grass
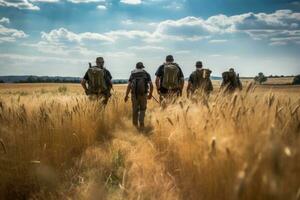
57 144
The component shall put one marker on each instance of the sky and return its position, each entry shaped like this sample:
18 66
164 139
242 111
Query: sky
60 37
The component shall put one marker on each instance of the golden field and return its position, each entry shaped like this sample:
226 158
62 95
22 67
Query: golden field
57 144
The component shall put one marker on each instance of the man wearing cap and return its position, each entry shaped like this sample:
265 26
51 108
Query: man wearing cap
231 81
169 79
199 81
139 84
97 82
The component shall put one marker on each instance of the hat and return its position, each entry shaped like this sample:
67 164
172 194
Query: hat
169 58
199 64
139 65
99 59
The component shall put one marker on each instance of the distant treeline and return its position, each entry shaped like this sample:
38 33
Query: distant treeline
43 79
34 79
46 79
281 76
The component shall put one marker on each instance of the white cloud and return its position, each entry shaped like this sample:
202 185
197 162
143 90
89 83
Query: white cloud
278 28
174 6
61 41
191 28
20 4
4 20
63 36
131 34
10 34
101 7
28 4
278 43
183 52
283 23
147 47
132 2
64 42
127 22
217 41
86 1
215 55
19 58
45 1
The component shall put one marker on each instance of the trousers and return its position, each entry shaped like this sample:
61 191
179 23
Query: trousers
139 106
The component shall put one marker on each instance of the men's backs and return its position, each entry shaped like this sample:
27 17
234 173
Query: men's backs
139 82
201 80
171 76
231 80
96 80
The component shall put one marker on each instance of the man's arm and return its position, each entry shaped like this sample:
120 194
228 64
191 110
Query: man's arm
158 74
211 87
151 90
189 89
109 78
181 79
157 84
127 91
83 84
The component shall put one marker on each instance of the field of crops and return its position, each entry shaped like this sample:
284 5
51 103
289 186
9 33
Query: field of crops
57 144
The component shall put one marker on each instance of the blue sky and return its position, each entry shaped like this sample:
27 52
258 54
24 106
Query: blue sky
60 37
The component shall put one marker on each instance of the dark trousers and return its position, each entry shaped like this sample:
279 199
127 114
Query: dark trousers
103 97
169 96
139 106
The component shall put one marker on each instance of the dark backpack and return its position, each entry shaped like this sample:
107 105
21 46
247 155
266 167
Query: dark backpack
231 80
139 85
202 80
96 83
171 76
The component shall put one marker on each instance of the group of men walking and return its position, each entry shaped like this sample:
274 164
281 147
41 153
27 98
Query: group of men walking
97 84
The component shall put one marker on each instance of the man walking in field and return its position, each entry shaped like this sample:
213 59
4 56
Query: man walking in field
97 82
199 81
231 81
139 84
169 79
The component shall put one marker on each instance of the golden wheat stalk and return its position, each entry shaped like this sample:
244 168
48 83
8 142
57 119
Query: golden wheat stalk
249 86
298 194
3 146
295 110
213 150
233 100
170 121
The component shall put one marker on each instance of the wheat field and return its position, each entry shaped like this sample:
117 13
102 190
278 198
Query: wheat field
57 144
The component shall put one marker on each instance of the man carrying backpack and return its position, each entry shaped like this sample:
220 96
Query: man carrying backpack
231 81
139 83
97 81
169 79
199 81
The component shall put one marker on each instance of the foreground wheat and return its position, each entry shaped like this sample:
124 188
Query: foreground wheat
60 146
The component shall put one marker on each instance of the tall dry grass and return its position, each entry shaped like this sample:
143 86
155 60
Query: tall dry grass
58 145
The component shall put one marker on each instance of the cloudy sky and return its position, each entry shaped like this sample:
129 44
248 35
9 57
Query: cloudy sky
60 37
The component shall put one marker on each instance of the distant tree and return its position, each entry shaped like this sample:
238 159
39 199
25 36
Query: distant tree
1 81
260 78
296 80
